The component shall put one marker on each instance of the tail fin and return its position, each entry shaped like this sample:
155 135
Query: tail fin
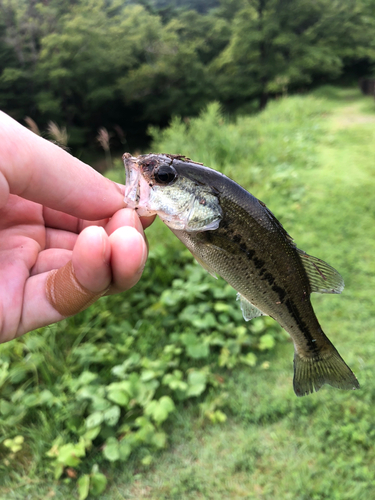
311 373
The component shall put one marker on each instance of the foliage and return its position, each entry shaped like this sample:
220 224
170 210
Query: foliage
86 64
277 45
112 377
266 150
165 392
273 444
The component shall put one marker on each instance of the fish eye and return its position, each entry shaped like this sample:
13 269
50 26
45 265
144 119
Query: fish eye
165 174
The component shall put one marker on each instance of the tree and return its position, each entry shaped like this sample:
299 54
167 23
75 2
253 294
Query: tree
281 44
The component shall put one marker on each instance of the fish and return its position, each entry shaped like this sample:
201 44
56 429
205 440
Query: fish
234 235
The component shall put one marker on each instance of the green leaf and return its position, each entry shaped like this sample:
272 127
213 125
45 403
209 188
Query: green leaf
69 454
98 483
266 342
198 351
59 469
250 359
174 381
111 449
118 396
83 486
112 415
159 410
197 383
194 346
92 433
147 460
86 378
94 420
159 439
99 403
124 449
14 444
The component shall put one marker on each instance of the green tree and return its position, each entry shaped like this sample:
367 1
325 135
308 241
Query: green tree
175 79
280 44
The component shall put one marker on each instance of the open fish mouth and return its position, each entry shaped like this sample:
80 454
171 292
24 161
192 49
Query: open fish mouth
132 187
136 188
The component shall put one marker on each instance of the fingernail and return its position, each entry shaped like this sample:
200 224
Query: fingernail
144 254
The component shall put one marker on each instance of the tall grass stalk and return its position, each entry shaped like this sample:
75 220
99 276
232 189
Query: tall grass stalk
103 138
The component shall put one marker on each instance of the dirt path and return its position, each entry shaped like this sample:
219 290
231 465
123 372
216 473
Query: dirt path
360 111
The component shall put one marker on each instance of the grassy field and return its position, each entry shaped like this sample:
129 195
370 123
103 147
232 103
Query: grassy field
275 445
312 163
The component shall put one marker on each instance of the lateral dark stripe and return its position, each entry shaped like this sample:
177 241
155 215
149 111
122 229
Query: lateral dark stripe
293 310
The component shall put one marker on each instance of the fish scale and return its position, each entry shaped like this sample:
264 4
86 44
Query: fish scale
233 234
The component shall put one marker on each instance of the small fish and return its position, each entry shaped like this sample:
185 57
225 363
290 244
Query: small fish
233 234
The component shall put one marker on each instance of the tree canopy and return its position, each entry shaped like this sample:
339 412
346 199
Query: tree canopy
128 64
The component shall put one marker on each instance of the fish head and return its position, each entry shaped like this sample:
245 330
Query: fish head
159 184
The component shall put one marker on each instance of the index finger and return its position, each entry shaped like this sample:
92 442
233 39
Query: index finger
37 170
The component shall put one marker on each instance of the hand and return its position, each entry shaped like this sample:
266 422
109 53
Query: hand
55 209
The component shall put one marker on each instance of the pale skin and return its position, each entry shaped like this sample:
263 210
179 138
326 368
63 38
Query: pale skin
55 208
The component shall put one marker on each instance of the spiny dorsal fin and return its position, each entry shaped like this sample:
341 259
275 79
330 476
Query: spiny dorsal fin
249 311
323 278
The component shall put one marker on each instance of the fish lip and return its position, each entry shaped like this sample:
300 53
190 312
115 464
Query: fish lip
132 181
136 188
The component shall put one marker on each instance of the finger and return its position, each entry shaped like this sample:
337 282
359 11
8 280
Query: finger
128 258
56 238
91 259
49 297
89 276
50 259
60 220
124 217
40 171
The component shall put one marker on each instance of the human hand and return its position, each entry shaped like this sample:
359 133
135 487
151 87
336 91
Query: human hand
55 209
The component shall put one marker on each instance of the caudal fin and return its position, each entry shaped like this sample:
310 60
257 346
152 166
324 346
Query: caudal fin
311 373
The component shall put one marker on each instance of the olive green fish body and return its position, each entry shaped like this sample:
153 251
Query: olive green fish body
242 241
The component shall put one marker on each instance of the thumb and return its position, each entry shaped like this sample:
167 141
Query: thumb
85 278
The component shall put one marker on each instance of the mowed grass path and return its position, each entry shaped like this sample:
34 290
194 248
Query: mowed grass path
274 445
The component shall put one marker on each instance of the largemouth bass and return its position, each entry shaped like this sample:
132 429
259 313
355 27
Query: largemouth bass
233 234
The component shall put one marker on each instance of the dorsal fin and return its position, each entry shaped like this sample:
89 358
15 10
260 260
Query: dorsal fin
323 278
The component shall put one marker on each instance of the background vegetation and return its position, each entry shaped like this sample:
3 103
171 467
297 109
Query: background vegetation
171 365
165 392
125 64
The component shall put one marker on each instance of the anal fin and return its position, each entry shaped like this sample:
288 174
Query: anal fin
249 311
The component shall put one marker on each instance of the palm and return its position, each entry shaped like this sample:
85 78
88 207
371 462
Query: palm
36 174
34 240
22 238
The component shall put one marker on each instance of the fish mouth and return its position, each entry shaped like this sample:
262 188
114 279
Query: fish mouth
132 187
136 188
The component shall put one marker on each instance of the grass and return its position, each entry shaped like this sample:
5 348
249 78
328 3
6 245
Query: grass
310 159
275 445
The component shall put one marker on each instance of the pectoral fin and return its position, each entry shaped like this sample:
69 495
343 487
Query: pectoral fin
322 277
249 311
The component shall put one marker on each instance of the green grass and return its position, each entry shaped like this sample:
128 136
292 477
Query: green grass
275 445
311 159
